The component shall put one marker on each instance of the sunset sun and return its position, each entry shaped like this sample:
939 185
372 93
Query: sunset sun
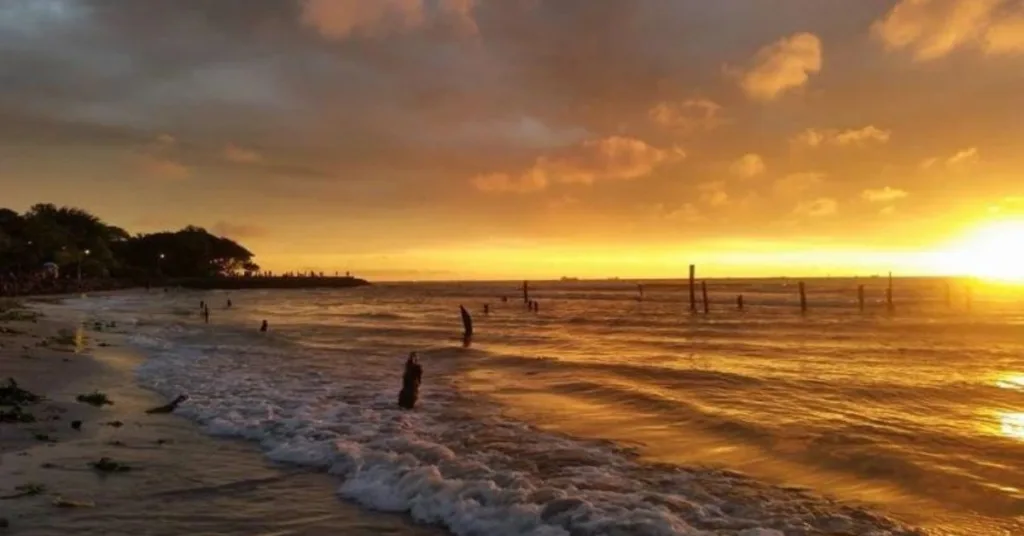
994 251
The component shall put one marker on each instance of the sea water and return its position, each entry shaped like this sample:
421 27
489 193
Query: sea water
615 412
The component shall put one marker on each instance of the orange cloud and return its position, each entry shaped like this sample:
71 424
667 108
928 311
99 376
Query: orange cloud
688 115
713 193
782 66
340 19
238 230
883 195
240 155
797 184
963 158
931 29
748 166
164 168
820 207
818 137
611 158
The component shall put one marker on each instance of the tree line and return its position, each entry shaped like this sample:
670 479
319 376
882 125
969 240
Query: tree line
79 243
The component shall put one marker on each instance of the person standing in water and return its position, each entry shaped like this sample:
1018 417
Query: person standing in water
410 392
206 314
264 327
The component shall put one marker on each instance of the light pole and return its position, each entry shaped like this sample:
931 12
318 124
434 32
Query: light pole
86 252
159 262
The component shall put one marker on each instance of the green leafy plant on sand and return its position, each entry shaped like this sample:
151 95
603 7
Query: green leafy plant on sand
95 398
13 395
25 490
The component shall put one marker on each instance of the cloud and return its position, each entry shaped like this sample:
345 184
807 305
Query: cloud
530 181
797 184
611 158
962 158
883 195
687 213
782 66
340 19
932 29
238 231
688 115
713 193
164 168
748 166
820 207
166 139
241 155
841 138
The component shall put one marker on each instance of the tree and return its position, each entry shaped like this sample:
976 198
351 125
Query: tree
79 241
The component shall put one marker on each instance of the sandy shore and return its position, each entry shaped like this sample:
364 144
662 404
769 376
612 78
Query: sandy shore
179 482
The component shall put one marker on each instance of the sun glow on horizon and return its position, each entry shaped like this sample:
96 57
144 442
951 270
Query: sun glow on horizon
994 251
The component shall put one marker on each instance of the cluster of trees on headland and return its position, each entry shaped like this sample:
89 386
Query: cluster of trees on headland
71 243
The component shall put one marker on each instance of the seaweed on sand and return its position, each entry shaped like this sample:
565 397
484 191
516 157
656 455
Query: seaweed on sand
95 398
13 395
106 465
25 490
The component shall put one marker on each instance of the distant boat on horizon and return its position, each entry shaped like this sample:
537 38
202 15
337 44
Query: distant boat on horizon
565 278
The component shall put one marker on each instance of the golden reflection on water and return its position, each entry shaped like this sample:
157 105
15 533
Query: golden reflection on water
1012 425
1011 381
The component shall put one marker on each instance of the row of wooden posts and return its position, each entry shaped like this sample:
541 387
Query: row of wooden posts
802 289
739 298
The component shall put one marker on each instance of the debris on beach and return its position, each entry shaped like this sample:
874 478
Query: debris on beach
95 398
169 407
76 425
114 424
106 465
25 490
61 502
44 437
13 395
16 415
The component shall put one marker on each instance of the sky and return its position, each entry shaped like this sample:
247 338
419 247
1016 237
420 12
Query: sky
493 139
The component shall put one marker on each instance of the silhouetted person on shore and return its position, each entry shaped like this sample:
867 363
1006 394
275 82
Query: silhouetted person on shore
206 315
229 303
264 327
202 306
487 308
410 392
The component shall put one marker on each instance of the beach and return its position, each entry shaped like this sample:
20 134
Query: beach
180 481
600 414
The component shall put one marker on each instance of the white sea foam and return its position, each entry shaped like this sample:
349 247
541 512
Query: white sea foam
457 464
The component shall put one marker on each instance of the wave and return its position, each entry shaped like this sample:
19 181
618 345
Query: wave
458 463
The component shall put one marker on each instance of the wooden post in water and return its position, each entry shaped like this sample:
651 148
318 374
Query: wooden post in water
803 298
860 297
739 302
704 293
888 295
693 289
526 292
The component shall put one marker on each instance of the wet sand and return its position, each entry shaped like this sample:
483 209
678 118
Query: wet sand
180 482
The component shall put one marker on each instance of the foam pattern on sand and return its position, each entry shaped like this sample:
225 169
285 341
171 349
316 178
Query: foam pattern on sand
458 463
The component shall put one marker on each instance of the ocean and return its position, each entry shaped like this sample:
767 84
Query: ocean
606 414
